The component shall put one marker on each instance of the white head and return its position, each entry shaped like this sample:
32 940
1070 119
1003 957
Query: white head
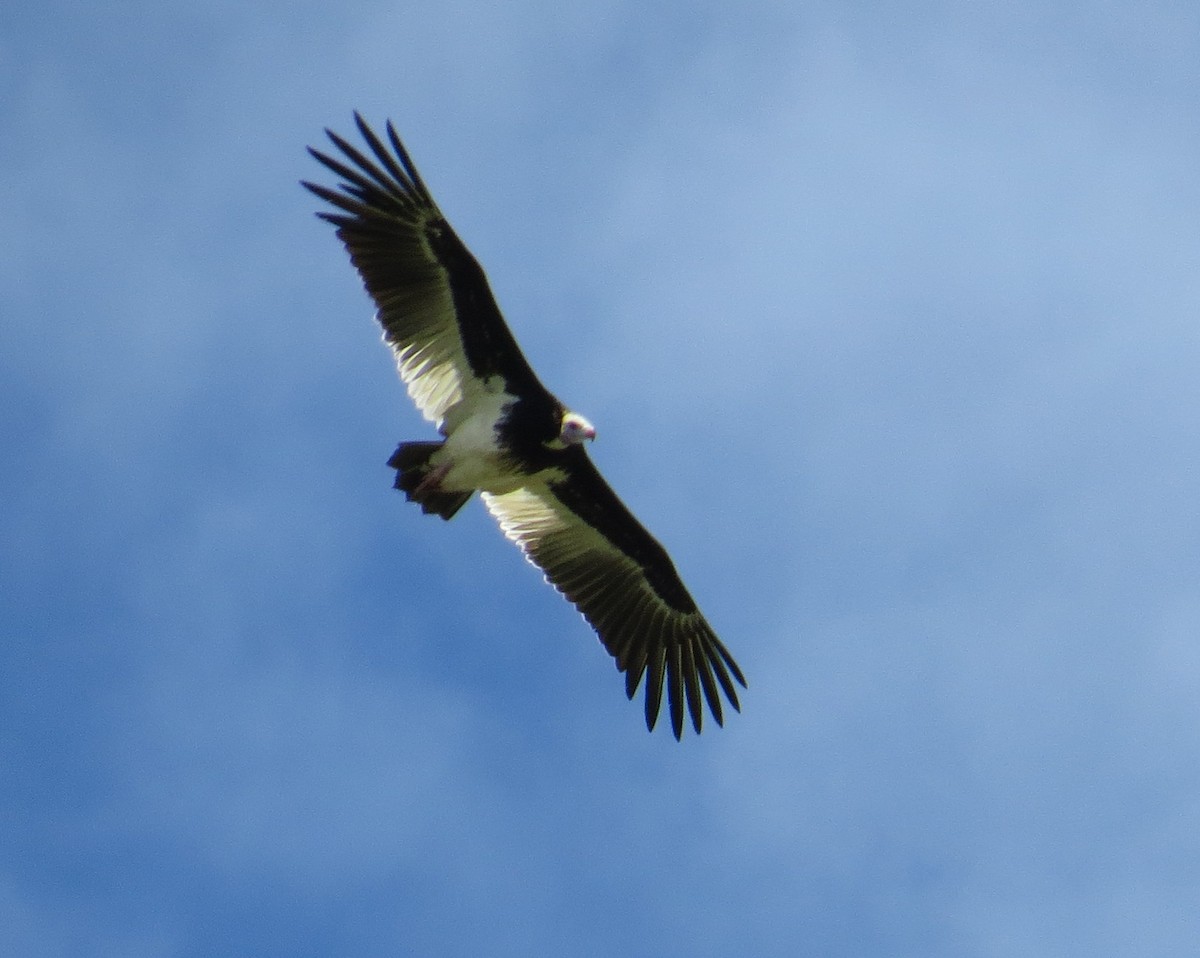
575 429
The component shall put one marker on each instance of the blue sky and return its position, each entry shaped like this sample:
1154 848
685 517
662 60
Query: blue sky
887 316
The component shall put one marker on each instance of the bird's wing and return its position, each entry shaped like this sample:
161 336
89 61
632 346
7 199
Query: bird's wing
434 304
592 549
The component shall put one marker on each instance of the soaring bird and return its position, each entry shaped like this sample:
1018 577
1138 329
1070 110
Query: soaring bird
505 435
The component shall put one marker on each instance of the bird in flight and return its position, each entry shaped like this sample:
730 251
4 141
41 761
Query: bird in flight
506 436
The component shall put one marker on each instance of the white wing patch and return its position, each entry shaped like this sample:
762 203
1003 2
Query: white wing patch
568 551
431 372
421 328
527 516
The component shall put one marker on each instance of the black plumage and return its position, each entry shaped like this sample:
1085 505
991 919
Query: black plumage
508 437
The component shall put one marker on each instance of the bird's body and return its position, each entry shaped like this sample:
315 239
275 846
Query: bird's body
506 436
474 455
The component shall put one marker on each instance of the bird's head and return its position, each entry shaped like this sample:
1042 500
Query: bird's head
575 430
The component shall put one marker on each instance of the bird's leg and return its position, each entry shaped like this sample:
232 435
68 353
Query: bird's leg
432 481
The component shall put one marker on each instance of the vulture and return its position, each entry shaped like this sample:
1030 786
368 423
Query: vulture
505 435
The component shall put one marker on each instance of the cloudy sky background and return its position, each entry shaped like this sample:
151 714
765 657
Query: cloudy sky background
887 315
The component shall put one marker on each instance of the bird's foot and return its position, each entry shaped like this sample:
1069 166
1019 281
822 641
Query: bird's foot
432 482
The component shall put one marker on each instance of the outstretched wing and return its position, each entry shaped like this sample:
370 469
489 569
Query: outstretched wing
434 304
603 560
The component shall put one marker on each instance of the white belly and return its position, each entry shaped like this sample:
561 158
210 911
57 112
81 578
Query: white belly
473 453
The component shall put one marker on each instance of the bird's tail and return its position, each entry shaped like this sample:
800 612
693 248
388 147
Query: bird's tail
416 479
